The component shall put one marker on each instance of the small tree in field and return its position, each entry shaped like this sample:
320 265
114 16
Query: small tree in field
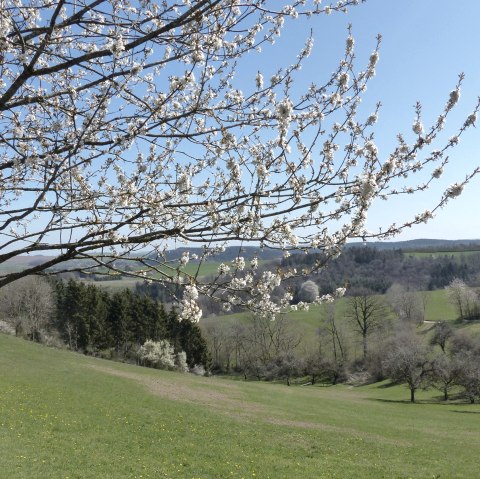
464 299
408 305
308 292
407 362
446 372
124 130
366 312
442 333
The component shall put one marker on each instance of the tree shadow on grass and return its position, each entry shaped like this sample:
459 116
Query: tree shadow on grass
429 402
387 385
401 401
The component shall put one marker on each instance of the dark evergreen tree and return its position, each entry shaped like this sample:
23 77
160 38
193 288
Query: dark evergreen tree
187 336
119 321
71 315
96 311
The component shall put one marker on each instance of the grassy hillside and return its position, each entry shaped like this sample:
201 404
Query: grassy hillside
436 254
438 308
63 415
208 268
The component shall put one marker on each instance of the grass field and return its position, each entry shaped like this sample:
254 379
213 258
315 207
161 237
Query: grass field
208 268
438 309
63 415
437 254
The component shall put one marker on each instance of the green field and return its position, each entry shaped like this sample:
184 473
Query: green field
63 415
208 268
438 254
438 309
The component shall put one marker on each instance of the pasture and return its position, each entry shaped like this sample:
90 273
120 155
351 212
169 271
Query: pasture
457 255
69 416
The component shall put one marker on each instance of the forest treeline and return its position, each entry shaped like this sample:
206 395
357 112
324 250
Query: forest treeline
377 270
91 320
356 268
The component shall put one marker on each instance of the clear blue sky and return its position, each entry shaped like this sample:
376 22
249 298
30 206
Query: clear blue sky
426 44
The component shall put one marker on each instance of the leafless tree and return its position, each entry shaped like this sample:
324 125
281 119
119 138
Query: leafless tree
366 312
27 304
442 333
408 305
469 374
407 362
124 129
446 372
335 363
269 339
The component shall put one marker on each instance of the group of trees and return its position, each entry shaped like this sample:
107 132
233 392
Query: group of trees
275 351
27 306
465 299
383 326
256 347
91 320
450 360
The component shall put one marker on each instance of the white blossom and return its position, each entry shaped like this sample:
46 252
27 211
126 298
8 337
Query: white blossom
417 127
189 309
454 190
259 80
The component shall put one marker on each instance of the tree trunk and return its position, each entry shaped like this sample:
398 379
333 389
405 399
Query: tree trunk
364 346
412 395
445 394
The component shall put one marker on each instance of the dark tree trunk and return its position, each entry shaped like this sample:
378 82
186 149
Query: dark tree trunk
412 395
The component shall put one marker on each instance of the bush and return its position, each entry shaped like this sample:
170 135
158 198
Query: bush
161 355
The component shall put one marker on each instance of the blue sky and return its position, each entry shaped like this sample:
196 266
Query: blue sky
426 44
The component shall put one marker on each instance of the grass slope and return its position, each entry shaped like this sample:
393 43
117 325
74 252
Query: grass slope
438 308
64 415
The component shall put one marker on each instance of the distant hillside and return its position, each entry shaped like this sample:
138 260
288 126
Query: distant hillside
230 253
249 252
423 244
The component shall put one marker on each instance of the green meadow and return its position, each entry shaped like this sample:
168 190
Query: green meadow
437 254
438 308
63 415
205 269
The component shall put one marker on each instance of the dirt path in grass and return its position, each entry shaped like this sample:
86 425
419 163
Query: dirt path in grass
205 392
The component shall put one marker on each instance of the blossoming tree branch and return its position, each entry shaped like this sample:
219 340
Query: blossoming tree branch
123 130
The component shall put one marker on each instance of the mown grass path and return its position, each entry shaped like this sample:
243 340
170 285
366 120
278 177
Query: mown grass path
63 415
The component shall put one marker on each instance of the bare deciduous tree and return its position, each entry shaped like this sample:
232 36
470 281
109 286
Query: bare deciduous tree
442 332
333 366
123 128
27 304
366 312
408 305
445 372
407 362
